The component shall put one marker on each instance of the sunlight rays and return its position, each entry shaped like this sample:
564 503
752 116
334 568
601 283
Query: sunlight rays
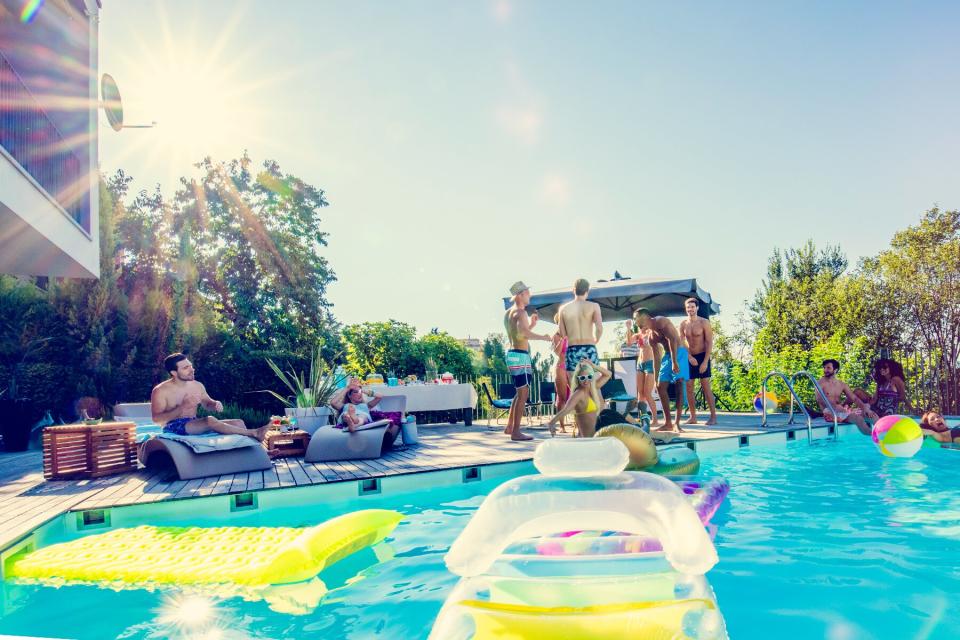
208 92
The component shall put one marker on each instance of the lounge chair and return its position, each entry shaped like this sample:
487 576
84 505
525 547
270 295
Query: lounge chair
157 452
329 443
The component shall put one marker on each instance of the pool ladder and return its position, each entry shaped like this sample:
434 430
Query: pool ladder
794 398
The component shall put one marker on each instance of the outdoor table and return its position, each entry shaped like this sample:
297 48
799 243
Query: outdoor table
287 444
457 398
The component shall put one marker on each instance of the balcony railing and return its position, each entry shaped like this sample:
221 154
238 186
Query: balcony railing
29 135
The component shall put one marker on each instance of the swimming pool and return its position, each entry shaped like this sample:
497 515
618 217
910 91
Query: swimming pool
824 541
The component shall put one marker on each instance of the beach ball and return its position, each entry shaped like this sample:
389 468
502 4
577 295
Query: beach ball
769 398
897 436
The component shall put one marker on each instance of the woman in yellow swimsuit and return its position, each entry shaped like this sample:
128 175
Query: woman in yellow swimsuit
585 383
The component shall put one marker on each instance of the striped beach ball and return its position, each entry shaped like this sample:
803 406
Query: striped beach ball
897 436
769 399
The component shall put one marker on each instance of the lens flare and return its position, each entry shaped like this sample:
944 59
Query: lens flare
30 11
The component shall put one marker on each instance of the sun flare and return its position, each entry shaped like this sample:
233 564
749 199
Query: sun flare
206 93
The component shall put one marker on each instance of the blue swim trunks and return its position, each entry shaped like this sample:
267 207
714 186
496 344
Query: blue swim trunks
520 367
177 426
666 367
577 352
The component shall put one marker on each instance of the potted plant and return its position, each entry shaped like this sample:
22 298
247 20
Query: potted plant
311 392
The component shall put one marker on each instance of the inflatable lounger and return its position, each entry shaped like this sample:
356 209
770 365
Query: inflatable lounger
569 554
250 556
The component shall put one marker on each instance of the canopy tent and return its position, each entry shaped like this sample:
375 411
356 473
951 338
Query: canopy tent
618 298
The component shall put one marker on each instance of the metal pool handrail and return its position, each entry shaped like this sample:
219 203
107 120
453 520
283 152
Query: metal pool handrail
793 396
821 394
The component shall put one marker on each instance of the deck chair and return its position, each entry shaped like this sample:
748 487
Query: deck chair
614 391
502 405
548 392
330 443
156 453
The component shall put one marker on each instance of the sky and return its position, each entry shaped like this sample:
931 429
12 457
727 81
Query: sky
466 145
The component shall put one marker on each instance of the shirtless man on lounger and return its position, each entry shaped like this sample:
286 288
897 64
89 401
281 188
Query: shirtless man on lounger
174 403
834 389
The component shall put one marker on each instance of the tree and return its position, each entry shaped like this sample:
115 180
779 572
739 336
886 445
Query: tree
255 242
446 352
381 347
802 300
494 355
921 273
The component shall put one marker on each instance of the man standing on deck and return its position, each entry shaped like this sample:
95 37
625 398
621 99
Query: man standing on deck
697 336
582 326
672 368
519 328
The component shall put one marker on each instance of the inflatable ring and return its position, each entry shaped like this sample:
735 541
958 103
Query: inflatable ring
644 456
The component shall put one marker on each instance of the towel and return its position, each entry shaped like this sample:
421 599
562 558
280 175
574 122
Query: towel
213 442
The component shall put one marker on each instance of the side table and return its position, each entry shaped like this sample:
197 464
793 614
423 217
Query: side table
76 451
287 443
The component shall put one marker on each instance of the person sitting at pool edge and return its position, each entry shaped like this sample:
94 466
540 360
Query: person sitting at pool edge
841 396
174 402
933 425
891 389
585 383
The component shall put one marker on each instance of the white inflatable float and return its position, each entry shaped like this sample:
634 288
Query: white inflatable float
614 589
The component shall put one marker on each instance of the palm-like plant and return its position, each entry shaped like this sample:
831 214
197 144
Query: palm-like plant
308 389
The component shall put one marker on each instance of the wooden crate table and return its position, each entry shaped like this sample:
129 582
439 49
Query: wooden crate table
287 444
89 451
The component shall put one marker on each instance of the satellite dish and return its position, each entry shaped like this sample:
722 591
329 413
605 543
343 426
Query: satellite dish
113 106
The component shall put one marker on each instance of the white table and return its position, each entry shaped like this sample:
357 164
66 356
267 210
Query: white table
435 397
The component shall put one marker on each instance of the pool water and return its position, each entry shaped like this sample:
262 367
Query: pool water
825 541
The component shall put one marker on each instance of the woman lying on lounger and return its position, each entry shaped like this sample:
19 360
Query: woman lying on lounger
356 410
585 383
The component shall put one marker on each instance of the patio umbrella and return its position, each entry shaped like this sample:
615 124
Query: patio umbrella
619 297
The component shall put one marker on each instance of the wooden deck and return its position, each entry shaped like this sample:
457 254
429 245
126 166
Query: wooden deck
27 500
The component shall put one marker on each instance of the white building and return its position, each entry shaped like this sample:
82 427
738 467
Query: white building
49 179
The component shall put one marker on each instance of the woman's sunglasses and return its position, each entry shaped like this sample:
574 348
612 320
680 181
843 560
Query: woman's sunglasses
584 378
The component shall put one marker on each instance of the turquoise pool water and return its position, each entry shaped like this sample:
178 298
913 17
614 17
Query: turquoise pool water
825 541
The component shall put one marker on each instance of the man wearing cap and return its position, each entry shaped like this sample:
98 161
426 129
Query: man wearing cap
519 328
582 325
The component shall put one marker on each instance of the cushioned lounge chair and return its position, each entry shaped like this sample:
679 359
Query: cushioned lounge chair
160 451
329 443
156 452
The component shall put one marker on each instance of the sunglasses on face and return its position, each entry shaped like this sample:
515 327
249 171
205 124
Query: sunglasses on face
584 378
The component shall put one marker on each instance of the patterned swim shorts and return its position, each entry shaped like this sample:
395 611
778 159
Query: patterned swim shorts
577 352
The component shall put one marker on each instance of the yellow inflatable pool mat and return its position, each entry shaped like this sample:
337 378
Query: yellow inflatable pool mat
250 556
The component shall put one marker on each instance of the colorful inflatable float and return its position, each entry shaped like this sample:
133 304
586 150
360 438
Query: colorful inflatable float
586 550
278 564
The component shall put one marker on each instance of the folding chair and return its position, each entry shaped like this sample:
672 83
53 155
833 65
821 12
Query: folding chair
501 404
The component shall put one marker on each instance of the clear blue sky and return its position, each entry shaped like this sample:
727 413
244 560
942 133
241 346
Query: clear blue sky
465 145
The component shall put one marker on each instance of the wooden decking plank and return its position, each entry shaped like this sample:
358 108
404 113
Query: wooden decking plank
255 480
189 489
271 479
223 484
300 475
